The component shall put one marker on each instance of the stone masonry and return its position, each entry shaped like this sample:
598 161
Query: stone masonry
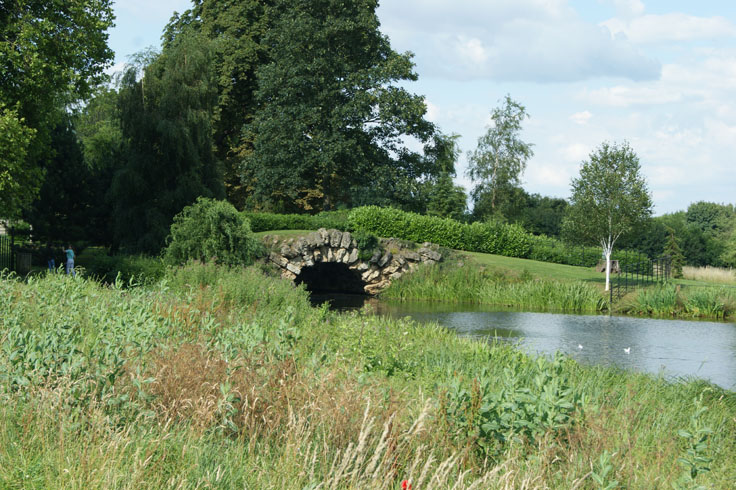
293 255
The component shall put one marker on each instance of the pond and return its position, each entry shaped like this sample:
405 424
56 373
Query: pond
674 348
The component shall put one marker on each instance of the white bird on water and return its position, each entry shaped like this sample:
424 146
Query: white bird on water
627 350
580 346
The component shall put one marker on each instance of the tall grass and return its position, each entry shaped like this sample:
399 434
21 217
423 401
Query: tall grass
200 381
469 284
697 302
709 274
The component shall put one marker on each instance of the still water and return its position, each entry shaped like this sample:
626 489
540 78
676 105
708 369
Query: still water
674 348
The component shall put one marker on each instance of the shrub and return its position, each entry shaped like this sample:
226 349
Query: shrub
128 268
272 221
496 238
210 229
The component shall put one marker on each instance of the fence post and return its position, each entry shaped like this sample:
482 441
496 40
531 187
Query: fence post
12 248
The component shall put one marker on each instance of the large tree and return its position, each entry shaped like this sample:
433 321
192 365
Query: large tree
236 29
331 114
610 199
51 55
500 158
166 127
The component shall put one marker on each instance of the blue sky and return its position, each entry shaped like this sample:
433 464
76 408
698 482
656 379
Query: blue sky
658 74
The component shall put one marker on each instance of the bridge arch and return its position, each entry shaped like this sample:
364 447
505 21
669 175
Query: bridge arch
329 260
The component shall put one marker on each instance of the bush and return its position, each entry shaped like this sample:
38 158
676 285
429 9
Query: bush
496 238
129 268
272 221
211 230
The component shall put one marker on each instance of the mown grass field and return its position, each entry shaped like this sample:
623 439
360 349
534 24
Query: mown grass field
225 378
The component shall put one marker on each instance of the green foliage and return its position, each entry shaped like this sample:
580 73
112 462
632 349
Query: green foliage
527 403
272 221
509 240
500 158
446 200
167 132
120 269
71 204
696 460
211 230
332 121
51 56
672 249
367 244
601 474
18 183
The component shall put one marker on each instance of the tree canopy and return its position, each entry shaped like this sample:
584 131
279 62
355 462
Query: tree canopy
500 158
330 115
51 55
609 200
166 127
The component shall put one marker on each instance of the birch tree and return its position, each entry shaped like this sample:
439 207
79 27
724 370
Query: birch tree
609 200
500 158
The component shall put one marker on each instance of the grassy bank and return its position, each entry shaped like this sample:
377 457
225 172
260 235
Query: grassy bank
469 283
225 379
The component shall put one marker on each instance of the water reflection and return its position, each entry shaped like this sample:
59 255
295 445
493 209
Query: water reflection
676 348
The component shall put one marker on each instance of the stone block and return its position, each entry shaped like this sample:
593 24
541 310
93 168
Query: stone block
385 259
346 239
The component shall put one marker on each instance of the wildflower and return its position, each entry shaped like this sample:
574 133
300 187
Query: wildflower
405 485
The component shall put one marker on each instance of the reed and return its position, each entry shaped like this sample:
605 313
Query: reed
470 284
709 274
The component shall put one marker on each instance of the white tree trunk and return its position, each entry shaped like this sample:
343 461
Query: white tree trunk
607 250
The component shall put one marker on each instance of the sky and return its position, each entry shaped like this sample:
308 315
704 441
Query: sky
660 75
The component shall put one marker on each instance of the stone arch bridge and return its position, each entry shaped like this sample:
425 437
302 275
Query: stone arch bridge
330 261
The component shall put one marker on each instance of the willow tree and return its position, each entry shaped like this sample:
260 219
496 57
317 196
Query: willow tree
610 199
166 125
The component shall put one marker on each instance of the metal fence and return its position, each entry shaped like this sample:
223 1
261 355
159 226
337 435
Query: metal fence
637 274
7 253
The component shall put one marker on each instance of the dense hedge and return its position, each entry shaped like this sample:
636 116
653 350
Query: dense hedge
495 238
272 221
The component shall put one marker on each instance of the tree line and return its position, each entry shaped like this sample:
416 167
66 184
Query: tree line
273 105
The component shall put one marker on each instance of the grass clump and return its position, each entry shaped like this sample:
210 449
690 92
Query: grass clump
694 302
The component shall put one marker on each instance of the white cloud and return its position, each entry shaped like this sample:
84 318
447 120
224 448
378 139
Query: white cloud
510 40
628 8
628 95
576 152
581 118
670 27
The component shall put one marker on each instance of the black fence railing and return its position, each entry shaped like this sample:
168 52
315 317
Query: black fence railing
7 253
638 274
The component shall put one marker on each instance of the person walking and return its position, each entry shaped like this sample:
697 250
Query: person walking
70 261
49 253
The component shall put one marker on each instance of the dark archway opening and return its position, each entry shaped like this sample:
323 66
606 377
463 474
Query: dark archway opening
331 277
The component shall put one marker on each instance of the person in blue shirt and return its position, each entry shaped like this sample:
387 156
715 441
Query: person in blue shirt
70 260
